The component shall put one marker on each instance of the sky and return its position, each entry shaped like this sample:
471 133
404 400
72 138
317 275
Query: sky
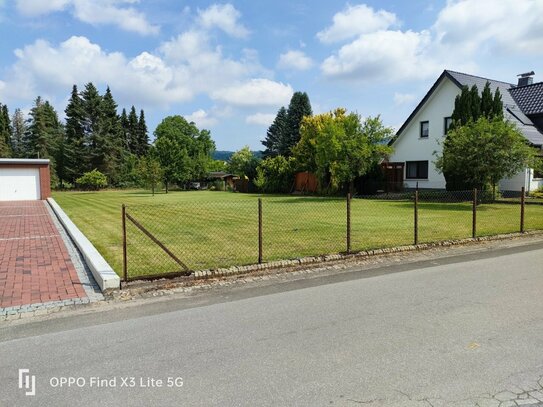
230 66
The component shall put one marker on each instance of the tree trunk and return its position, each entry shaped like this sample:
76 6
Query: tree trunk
166 186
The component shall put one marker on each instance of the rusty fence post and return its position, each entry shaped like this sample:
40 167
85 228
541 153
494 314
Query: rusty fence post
522 206
349 222
259 230
125 265
474 217
416 218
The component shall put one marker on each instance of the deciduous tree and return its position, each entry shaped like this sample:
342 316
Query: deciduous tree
243 163
483 152
340 147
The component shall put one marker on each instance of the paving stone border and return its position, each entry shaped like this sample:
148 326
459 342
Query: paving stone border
315 260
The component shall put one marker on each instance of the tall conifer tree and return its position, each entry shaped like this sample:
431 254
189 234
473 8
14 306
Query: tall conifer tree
275 133
76 157
143 136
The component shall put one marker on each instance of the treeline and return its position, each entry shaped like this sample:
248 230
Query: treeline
338 147
93 136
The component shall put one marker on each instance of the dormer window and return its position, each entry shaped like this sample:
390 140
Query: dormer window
424 129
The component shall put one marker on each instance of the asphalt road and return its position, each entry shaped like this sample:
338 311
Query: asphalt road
466 332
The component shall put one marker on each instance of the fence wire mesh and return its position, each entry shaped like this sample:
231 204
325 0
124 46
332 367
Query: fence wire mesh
163 238
379 221
303 226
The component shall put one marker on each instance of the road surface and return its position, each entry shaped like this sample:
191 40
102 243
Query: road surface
462 332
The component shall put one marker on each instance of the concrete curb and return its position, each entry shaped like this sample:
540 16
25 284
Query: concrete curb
104 275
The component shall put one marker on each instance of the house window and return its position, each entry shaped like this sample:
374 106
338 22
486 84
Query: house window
447 121
424 129
416 170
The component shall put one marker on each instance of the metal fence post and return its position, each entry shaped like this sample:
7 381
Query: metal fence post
416 218
125 265
522 202
259 230
349 222
474 218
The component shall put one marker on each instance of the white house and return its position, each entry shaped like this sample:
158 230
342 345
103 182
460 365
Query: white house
419 137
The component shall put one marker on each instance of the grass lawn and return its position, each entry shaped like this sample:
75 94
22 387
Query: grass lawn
217 229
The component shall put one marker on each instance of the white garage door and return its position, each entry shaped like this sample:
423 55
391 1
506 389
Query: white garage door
19 184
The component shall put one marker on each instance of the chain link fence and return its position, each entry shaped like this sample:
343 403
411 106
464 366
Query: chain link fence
174 239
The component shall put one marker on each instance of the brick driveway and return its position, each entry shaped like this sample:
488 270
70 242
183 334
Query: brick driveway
35 266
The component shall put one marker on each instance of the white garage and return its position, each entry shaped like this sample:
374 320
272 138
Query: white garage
24 179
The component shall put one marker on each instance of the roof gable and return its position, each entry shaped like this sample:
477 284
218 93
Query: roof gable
422 103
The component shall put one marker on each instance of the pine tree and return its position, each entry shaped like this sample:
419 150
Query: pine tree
43 131
125 130
18 130
487 102
275 133
76 157
143 137
133 131
108 151
298 107
5 132
91 125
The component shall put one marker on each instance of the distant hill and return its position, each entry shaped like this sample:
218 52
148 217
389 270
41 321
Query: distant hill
224 155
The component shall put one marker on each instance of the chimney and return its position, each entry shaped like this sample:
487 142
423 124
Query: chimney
525 78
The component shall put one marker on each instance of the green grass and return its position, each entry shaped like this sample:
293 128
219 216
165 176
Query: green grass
217 229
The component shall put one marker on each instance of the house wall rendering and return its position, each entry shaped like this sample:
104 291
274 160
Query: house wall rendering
410 146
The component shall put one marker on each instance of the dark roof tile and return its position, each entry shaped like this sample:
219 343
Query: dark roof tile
529 98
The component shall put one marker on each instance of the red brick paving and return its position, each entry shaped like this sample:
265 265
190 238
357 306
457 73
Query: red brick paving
35 265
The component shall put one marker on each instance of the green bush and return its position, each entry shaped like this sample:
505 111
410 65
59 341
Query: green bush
275 175
538 193
216 185
92 181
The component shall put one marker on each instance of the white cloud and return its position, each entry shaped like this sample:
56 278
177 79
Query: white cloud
465 33
95 12
43 69
261 119
356 20
181 69
391 55
295 60
33 8
403 98
201 118
224 17
504 26
255 92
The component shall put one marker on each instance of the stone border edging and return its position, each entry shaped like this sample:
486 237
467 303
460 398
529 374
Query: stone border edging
104 275
202 274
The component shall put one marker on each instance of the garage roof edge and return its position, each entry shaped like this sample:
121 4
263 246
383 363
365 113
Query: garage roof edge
24 161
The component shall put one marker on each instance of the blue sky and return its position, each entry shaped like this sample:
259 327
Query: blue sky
229 66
